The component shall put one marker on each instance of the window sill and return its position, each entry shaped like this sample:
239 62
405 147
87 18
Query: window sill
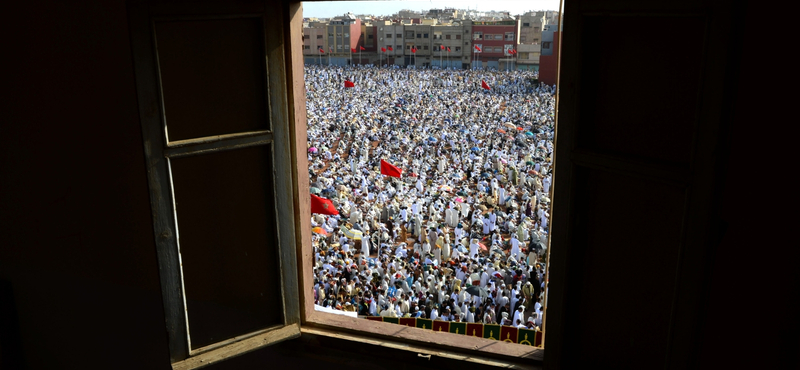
425 342
238 346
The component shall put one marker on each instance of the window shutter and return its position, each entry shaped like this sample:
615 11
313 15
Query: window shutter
217 151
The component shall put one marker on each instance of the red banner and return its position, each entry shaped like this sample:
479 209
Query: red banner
408 321
508 334
441 326
475 330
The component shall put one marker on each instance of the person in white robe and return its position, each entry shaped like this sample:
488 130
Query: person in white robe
515 250
473 248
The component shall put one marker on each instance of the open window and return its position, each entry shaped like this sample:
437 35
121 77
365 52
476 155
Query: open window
213 107
222 104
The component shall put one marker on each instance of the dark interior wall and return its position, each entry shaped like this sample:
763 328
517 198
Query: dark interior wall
77 242
78 271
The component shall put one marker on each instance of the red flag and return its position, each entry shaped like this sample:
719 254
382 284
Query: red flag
383 50
330 49
413 50
389 169
322 205
321 51
390 48
448 49
477 48
353 49
349 84
441 47
362 48
484 85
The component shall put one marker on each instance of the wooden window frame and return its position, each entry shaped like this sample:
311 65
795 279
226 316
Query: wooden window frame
480 350
159 150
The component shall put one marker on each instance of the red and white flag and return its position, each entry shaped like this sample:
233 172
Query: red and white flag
389 169
484 85
322 206
321 51
478 49
349 84
383 50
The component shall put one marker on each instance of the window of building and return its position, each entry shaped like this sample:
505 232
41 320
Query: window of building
369 37
535 41
458 48
425 47
425 35
346 35
498 37
307 47
458 37
523 55
192 157
211 166
399 35
526 24
306 37
535 29
477 36
388 35
546 45
447 37
330 34
509 36
522 38
339 47
419 35
409 34
319 36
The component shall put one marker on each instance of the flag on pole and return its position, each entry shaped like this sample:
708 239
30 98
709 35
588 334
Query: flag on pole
478 49
322 206
353 49
349 84
390 170
362 48
321 51
330 49
383 50
448 50
484 85
414 50
390 48
441 47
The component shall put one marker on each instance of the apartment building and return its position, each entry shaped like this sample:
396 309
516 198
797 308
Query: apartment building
455 37
494 39
313 40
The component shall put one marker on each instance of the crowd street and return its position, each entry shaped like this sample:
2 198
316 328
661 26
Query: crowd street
461 234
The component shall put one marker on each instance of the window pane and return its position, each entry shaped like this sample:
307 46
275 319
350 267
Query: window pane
226 227
212 76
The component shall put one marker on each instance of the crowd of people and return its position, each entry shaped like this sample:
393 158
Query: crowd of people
461 234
